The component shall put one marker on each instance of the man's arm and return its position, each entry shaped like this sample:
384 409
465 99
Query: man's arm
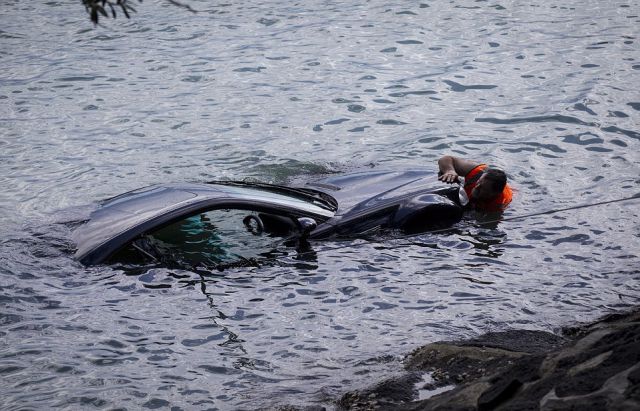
452 167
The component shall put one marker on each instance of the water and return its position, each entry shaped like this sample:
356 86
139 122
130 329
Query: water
279 91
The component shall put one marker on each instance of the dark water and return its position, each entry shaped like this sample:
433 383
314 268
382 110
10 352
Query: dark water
277 91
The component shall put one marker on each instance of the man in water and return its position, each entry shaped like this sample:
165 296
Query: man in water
486 187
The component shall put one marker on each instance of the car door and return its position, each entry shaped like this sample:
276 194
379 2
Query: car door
211 239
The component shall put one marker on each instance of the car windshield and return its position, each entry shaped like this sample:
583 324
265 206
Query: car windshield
302 195
211 239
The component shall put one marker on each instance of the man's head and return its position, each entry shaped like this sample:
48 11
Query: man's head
489 186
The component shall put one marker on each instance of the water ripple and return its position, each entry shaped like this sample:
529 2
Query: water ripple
282 92
537 119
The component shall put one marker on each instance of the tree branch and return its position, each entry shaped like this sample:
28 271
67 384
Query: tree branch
98 8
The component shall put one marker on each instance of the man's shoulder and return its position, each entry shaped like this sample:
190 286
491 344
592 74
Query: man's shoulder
475 173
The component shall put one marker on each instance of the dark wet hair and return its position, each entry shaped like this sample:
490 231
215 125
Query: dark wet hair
497 178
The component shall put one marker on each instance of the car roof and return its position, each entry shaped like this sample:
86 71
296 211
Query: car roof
121 219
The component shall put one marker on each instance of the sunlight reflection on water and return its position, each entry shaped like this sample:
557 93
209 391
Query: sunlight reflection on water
279 92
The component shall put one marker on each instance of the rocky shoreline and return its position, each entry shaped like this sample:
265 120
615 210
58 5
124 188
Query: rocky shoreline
588 367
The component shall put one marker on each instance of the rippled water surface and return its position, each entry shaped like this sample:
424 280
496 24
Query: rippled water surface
279 91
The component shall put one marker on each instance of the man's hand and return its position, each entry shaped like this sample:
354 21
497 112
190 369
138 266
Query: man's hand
451 168
449 177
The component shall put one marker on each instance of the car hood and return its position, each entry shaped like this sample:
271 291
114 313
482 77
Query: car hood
373 188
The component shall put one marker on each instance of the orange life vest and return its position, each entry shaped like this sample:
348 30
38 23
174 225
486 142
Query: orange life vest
498 203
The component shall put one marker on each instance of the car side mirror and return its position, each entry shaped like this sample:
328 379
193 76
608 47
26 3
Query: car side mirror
306 226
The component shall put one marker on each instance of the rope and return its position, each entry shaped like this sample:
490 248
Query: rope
453 229
370 240
558 210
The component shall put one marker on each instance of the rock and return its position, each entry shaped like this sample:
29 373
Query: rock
396 390
457 362
526 341
298 408
594 367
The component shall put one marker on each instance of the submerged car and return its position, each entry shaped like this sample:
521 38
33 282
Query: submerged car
221 221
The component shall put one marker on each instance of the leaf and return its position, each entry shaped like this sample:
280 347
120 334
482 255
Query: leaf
102 10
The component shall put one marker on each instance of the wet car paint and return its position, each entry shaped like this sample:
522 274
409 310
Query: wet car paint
346 205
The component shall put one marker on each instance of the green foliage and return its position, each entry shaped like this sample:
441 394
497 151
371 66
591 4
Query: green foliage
108 8
97 8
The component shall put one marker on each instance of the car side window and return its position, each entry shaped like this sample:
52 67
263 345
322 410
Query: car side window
213 238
